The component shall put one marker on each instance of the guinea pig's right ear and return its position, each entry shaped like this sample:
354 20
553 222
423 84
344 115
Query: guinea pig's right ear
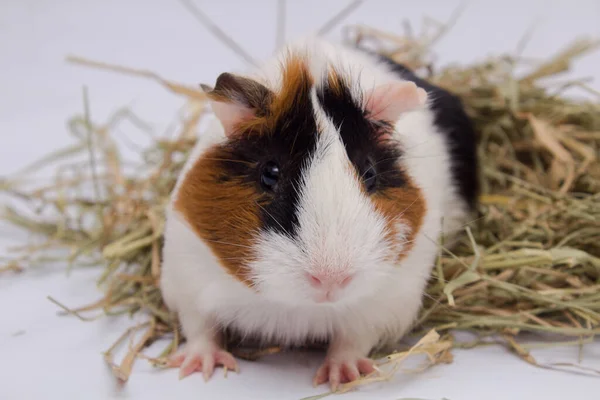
236 99
389 101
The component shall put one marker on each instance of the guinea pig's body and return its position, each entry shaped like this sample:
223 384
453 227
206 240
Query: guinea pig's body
312 206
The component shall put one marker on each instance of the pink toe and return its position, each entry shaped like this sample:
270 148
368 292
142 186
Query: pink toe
334 377
190 365
322 375
208 366
365 366
349 372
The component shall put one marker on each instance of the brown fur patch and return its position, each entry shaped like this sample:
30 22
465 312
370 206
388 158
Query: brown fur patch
403 204
224 214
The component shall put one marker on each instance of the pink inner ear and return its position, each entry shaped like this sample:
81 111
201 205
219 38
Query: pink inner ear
388 101
231 114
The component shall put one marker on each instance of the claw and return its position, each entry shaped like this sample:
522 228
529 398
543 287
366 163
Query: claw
226 359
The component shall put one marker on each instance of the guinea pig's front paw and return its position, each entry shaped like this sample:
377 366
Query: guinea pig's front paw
194 357
338 370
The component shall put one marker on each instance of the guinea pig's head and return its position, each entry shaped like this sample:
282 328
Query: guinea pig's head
306 199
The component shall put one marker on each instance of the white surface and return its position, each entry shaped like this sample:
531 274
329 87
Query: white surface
45 356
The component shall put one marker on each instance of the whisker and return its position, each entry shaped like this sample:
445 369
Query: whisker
425 156
234 258
408 241
378 162
425 294
228 243
409 206
270 215
417 145
295 188
229 160
471 221
380 173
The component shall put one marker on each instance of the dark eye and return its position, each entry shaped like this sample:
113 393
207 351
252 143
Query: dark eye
269 176
370 178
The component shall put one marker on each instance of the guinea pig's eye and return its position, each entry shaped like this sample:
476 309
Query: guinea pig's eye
269 176
370 178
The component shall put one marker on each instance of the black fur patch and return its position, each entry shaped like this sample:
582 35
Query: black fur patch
361 137
291 143
457 127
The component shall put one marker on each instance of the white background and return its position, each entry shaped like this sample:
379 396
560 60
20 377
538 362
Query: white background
45 356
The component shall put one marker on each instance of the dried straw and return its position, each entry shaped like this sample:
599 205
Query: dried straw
529 263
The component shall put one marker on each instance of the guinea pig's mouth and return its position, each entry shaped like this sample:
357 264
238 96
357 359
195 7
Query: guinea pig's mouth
326 297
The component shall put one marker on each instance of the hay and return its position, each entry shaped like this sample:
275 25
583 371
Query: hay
529 263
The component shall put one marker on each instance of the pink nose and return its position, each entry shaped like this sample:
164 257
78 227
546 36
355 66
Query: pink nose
329 281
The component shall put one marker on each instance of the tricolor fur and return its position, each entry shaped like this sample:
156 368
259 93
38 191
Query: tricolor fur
241 257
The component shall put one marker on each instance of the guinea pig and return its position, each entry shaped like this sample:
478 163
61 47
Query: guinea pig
311 208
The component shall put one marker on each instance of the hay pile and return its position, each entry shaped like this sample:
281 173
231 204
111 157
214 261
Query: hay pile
530 263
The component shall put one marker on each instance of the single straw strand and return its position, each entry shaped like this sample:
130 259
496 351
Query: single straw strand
218 32
338 18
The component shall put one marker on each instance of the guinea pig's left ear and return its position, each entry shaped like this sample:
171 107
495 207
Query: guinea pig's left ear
388 101
236 99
